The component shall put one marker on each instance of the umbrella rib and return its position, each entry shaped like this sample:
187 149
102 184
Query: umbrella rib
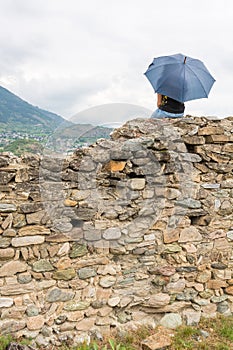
198 79
160 65
203 68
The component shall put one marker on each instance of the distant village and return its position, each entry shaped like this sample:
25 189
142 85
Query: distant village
7 137
57 144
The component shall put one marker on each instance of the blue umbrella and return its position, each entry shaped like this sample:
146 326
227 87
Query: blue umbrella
180 77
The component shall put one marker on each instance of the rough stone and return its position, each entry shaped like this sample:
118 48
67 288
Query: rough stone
11 327
32 230
170 236
7 253
172 248
57 294
35 322
190 234
157 300
137 184
78 250
31 207
86 324
7 222
194 140
70 203
222 274
223 307
75 316
64 250
12 267
211 130
7 208
107 281
42 266
229 290
32 310
209 311
175 287
217 139
222 244
76 305
86 272
171 320
17 289
165 270
203 276
114 165
107 270
92 235
114 301
24 278
216 284
160 340
6 302
4 242
112 233
27 241
65 275
35 218
192 317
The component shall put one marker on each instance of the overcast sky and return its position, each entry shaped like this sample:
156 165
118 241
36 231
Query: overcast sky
70 55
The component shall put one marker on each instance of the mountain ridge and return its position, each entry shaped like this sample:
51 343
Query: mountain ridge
24 126
18 113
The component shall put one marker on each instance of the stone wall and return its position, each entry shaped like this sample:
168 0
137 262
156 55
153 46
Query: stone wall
132 230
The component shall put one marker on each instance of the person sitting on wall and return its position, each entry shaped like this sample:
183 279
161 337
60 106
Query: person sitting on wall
168 108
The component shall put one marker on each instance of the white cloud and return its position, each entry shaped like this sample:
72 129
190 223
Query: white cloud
67 56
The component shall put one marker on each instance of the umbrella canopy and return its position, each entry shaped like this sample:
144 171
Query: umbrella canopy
180 77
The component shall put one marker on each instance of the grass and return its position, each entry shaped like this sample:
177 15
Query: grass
5 341
210 334
118 341
219 330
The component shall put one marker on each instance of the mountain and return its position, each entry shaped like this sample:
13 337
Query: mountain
24 128
19 115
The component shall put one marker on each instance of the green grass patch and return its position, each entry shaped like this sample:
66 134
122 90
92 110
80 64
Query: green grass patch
5 341
220 335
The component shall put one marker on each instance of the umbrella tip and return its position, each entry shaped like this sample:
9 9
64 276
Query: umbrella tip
185 59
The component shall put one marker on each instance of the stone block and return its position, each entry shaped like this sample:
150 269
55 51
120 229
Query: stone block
112 233
86 324
217 138
7 208
216 284
12 268
160 340
137 184
7 253
32 230
194 140
6 302
65 275
211 130
115 165
190 234
35 322
171 320
157 300
171 235
192 317
27 241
